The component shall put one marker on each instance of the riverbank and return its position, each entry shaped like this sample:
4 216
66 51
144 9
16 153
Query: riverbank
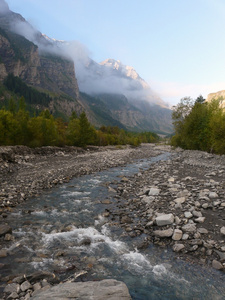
177 203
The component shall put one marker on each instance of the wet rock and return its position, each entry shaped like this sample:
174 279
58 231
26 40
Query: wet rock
85 242
217 265
126 219
106 289
25 286
164 233
11 288
4 229
222 230
166 219
3 253
178 247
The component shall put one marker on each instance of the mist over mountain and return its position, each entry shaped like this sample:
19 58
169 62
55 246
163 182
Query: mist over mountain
109 82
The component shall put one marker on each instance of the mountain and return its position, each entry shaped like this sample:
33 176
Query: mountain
218 95
110 92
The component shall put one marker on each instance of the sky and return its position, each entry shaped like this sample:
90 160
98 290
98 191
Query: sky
176 46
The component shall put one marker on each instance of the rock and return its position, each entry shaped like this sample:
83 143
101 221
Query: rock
196 213
188 214
154 192
185 237
217 265
3 253
85 242
205 205
178 247
177 235
166 219
106 289
200 220
25 286
213 195
177 220
202 230
126 219
222 230
221 255
189 228
163 233
14 295
4 229
11 288
180 200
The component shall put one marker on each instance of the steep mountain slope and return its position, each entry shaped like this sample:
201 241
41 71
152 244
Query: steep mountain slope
112 93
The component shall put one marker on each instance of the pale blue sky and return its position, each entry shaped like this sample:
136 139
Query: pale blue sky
177 46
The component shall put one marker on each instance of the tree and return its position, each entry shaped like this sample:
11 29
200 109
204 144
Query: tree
87 135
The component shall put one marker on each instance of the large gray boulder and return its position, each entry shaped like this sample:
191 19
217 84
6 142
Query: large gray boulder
166 219
109 289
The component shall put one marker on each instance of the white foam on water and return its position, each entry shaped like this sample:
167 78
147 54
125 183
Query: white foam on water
159 270
42 264
101 221
94 180
73 194
40 213
137 262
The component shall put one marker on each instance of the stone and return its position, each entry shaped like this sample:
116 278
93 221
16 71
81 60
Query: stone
189 228
217 265
106 289
163 233
200 220
4 229
11 288
188 214
213 195
14 295
180 200
3 253
185 237
196 213
25 286
222 230
85 242
205 205
202 230
178 247
177 235
154 192
166 219
177 220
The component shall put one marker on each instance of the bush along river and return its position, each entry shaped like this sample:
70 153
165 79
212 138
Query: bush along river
73 231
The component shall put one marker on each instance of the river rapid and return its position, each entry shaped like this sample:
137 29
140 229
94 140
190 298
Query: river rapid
64 231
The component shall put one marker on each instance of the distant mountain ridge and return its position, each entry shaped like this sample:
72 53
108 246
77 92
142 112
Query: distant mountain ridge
117 95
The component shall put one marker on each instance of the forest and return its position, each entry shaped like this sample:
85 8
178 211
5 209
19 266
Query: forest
18 127
199 125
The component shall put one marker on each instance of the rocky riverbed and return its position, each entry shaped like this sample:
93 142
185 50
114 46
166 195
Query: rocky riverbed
178 203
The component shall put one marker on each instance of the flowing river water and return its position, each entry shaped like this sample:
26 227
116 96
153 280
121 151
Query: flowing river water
64 228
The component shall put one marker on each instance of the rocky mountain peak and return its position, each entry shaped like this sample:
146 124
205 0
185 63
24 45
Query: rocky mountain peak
124 70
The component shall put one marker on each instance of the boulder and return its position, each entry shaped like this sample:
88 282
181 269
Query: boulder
166 219
154 192
99 290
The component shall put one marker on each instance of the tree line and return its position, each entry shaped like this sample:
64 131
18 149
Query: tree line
199 125
17 127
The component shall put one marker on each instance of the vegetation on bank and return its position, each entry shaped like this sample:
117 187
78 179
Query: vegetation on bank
17 127
199 125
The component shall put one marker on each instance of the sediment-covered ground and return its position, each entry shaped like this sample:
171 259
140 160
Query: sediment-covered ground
178 203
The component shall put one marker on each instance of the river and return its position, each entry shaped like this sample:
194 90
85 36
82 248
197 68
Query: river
63 229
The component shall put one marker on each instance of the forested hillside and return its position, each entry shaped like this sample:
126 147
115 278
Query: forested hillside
199 125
